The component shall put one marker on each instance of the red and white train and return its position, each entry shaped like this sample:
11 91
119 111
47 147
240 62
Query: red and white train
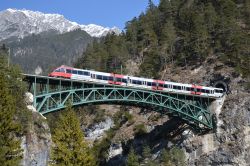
136 82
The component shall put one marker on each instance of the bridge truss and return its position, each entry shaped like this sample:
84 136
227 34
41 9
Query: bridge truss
52 94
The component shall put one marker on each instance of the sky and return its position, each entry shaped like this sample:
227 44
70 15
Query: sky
107 13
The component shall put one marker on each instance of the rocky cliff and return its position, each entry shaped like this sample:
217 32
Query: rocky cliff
229 144
37 140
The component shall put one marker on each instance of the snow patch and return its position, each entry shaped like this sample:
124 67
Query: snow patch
26 22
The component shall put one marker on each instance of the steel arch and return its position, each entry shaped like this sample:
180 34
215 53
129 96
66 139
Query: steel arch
190 112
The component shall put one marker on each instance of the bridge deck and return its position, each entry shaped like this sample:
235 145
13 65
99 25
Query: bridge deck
64 81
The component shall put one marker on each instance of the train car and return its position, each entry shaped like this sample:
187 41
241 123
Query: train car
136 82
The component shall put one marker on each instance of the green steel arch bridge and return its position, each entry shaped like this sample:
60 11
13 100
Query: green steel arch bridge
51 94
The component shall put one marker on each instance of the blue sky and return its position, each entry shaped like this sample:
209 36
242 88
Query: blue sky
106 13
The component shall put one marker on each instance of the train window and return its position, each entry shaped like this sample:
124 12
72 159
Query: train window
111 78
175 87
57 70
139 82
124 80
161 85
62 70
105 77
166 86
99 77
203 90
80 72
149 83
153 83
179 87
206 91
74 72
221 91
118 79
68 71
133 81
188 88
192 89
86 73
198 90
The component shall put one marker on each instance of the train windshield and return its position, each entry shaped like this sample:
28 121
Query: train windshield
57 70
60 70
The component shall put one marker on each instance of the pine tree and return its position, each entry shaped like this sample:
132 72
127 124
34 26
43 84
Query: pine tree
70 148
146 151
178 156
166 158
132 158
10 150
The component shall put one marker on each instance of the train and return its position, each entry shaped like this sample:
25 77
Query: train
136 82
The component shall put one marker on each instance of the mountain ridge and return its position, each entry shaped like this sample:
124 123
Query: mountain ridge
21 23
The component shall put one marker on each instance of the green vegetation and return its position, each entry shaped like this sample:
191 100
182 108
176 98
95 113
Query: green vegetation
99 116
183 33
174 156
133 159
166 158
12 112
140 129
146 152
70 147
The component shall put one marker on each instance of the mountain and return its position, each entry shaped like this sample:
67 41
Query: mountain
20 23
40 53
40 42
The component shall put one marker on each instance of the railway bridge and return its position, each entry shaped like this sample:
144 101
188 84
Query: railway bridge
51 94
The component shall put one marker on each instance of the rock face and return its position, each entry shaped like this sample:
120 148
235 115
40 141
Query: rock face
230 145
97 130
36 142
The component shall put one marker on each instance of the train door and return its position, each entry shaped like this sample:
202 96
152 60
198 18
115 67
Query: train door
183 88
93 77
170 87
128 81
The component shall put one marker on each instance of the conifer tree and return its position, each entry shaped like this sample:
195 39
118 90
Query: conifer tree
166 158
132 158
70 148
10 150
146 151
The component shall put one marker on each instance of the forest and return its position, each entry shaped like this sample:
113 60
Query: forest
182 33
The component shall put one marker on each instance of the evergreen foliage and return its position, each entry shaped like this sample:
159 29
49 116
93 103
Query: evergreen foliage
146 152
166 158
11 105
70 147
183 33
174 156
178 156
133 159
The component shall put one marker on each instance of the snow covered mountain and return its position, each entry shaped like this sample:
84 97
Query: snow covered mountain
21 23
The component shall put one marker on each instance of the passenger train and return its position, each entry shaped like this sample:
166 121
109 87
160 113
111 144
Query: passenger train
136 82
